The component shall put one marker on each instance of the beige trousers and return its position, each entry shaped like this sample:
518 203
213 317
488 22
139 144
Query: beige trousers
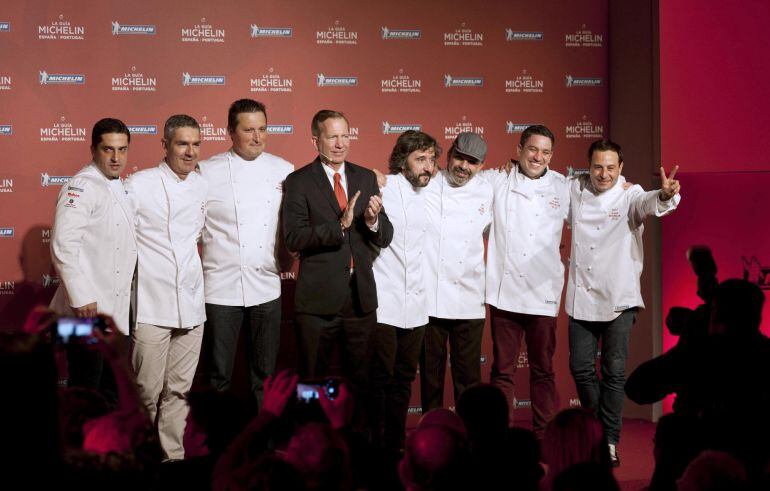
164 360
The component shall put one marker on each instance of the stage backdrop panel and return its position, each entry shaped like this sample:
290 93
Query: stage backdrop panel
714 67
443 67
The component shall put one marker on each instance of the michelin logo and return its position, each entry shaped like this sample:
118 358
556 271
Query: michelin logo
188 79
46 180
6 232
324 81
511 35
280 129
400 33
270 32
61 78
511 127
6 130
139 29
450 81
582 81
388 129
143 129
5 27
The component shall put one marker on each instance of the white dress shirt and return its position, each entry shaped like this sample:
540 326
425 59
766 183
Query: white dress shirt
93 246
399 268
525 273
169 219
454 247
607 256
330 175
240 238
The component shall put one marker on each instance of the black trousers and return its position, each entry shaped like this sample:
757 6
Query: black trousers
395 355
223 325
337 344
464 336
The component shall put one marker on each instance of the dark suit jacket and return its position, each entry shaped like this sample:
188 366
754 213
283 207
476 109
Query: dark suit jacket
311 227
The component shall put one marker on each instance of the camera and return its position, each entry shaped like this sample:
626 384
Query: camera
78 330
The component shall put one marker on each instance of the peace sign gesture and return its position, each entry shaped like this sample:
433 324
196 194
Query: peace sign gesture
668 185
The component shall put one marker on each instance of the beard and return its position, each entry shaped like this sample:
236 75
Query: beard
417 180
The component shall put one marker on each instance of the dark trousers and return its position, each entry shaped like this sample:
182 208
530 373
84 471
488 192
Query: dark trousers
263 328
605 397
539 332
337 344
395 354
464 336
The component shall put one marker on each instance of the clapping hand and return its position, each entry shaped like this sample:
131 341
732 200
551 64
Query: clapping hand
346 220
373 210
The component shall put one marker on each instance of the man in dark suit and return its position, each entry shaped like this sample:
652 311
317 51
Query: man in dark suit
333 216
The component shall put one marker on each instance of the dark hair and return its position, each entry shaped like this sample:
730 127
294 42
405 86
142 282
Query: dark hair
536 129
408 142
178 121
108 125
243 106
321 116
605 146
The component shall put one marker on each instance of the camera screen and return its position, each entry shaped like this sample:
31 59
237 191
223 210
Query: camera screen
69 327
307 392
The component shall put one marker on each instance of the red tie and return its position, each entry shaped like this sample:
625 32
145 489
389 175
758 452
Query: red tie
342 200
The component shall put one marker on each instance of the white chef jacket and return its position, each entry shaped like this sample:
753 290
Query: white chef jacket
93 246
240 261
525 273
398 269
454 247
607 255
169 219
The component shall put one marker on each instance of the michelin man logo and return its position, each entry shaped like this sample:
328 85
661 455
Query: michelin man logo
43 77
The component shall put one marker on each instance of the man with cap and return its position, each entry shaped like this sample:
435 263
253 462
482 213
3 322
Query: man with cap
459 210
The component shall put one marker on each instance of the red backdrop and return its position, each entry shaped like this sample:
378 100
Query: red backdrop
714 118
492 68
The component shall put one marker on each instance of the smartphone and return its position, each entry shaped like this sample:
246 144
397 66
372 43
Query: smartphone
78 329
310 391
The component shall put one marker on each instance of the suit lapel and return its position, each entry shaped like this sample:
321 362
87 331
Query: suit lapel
324 187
